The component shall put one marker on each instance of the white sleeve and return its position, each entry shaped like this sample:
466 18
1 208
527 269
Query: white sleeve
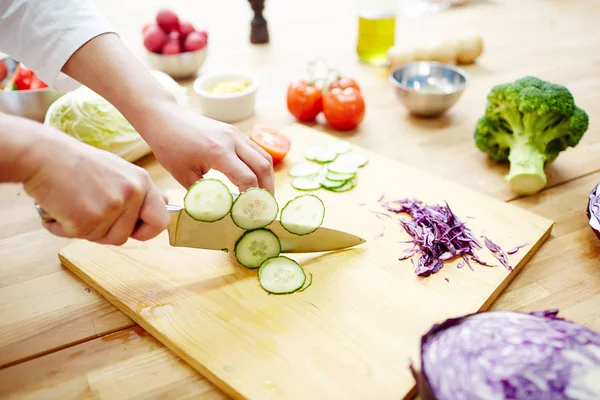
44 34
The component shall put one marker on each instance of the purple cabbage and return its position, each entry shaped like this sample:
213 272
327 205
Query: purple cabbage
593 210
505 355
438 235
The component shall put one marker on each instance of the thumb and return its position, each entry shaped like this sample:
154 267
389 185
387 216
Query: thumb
154 217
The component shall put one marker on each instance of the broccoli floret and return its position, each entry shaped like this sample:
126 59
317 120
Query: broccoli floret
528 122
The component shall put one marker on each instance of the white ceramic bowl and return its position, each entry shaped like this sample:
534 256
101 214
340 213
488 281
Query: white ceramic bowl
226 107
181 65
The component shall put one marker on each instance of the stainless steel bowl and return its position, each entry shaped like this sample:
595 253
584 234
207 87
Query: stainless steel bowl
428 88
32 104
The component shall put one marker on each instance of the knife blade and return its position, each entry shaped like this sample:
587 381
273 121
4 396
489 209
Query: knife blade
184 231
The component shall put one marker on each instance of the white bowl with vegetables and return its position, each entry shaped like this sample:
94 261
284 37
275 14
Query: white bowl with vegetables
227 96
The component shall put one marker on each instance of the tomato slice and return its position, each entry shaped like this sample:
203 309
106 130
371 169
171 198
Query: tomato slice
272 141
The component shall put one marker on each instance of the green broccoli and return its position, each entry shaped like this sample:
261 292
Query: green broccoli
528 123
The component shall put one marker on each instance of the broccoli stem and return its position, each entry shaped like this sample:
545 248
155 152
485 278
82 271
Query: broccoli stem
526 175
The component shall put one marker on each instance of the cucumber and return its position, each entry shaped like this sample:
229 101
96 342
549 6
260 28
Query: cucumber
312 182
254 208
339 146
346 186
208 200
303 215
355 158
325 155
336 176
281 275
256 246
329 184
310 152
305 168
341 167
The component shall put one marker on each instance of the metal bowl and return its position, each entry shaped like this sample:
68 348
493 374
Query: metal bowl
428 88
32 104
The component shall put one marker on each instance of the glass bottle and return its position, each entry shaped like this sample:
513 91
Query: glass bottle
376 30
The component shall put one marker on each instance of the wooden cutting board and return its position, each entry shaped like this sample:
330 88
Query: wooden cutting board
352 334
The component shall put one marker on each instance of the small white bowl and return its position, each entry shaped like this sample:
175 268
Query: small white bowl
181 65
226 107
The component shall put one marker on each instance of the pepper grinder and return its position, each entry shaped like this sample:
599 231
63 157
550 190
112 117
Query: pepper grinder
259 31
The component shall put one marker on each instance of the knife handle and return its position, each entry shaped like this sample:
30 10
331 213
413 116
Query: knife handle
171 208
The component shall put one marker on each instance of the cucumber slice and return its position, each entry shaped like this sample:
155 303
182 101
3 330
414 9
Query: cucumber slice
254 208
347 186
325 155
303 215
339 146
310 152
329 184
306 183
341 167
208 200
254 247
354 157
335 176
281 275
305 168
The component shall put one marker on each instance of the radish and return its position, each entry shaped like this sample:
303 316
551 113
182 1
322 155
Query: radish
194 41
155 38
185 28
167 19
172 47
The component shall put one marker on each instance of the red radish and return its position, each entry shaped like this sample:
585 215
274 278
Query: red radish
167 19
194 41
155 38
185 28
204 33
172 47
174 35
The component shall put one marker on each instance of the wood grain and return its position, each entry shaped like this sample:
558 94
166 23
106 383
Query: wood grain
212 313
128 364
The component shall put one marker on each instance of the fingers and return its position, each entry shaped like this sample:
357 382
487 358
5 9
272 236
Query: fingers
238 173
262 169
123 227
262 152
153 215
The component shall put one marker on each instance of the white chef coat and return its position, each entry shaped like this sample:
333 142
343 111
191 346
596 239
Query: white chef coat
44 34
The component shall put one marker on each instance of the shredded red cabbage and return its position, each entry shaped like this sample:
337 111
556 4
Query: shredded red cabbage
497 252
506 355
516 248
593 210
438 235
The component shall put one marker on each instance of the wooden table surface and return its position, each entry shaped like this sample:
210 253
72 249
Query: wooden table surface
60 339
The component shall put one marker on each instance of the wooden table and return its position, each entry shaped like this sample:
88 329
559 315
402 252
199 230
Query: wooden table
59 339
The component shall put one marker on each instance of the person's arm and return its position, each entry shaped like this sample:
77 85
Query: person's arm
17 163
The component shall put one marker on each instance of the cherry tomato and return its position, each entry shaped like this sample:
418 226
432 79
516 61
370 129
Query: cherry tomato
344 109
305 100
344 83
272 141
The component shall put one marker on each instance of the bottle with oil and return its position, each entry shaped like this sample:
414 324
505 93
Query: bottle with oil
376 30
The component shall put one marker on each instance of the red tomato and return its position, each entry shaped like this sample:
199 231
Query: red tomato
155 38
167 19
344 109
22 77
305 100
185 28
272 141
3 71
194 41
36 83
344 83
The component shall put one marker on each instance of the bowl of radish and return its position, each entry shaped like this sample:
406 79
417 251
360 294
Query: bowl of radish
175 46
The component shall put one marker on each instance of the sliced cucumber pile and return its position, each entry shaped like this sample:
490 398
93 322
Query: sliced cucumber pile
281 275
303 215
333 166
255 247
254 208
208 200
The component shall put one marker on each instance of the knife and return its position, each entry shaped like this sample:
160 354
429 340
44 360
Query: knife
184 231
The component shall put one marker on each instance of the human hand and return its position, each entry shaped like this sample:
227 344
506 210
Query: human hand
188 145
92 194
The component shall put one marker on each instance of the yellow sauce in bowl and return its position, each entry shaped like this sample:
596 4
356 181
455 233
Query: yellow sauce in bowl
230 87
